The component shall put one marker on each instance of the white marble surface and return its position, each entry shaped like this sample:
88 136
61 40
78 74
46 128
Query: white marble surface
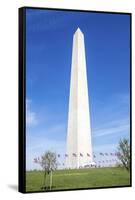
79 129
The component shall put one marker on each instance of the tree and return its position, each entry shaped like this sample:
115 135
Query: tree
124 153
48 162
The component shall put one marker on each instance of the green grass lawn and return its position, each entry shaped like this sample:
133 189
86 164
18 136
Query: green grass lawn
79 178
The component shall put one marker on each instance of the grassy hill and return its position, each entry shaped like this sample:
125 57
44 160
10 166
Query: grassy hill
79 178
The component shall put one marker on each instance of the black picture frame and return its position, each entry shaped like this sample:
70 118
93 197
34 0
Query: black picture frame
22 96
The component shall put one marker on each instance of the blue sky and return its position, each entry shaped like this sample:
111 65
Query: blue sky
49 37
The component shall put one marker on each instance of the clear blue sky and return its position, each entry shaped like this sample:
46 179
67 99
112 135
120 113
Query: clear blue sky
48 63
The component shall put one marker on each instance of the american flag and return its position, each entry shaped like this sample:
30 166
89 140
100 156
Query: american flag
35 160
101 154
81 154
118 153
74 154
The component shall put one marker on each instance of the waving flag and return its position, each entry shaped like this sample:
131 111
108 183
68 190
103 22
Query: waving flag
81 154
74 154
101 154
35 160
118 153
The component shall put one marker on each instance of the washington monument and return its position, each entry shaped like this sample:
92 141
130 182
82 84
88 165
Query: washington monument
79 146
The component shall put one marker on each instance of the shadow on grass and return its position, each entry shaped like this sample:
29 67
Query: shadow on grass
43 188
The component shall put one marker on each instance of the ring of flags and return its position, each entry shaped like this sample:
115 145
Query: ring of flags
87 154
104 159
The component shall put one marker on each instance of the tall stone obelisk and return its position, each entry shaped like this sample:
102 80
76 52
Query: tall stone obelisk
79 146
